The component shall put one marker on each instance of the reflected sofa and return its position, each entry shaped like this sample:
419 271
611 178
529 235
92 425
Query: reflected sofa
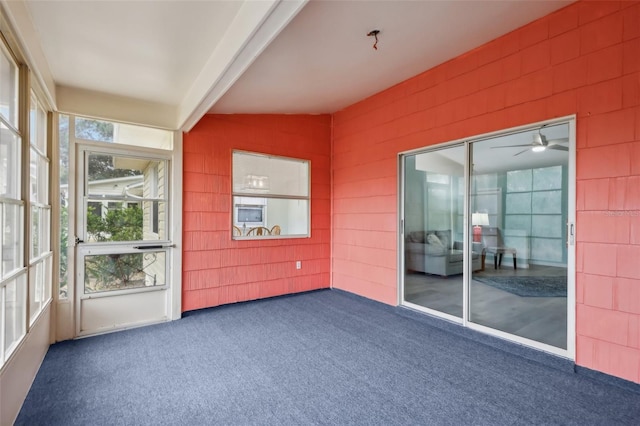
433 252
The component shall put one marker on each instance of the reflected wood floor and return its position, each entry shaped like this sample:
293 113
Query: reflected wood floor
543 319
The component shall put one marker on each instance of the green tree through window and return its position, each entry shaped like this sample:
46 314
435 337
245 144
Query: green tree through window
115 271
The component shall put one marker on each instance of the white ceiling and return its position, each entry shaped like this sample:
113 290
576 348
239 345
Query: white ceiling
323 60
142 49
178 59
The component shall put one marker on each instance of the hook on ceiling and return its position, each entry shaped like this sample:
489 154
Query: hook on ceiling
374 33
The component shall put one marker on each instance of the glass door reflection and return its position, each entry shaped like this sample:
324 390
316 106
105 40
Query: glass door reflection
519 191
434 230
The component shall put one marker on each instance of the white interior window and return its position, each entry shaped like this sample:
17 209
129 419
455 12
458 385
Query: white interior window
13 274
271 196
40 254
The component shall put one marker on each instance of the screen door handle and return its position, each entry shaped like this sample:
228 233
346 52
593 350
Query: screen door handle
156 247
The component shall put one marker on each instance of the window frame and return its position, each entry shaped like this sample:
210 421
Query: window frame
18 276
268 196
40 261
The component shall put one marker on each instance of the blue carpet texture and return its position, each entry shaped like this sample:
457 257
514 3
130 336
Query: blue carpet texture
319 358
529 286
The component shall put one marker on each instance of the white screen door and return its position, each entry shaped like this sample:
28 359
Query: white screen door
123 241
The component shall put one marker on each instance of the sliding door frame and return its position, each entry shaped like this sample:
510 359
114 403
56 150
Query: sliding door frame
571 246
401 231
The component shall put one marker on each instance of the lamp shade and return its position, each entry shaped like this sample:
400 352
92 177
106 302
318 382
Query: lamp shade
480 219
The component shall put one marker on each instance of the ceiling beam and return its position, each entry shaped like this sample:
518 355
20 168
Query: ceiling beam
256 25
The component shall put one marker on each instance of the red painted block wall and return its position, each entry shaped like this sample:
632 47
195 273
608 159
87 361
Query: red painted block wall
583 60
218 270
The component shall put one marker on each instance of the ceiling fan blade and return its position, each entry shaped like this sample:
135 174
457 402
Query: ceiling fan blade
510 146
524 150
558 147
559 140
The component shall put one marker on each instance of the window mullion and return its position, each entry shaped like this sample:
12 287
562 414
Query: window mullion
24 103
2 329
279 196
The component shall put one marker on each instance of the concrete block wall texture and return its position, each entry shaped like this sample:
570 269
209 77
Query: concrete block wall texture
583 60
218 270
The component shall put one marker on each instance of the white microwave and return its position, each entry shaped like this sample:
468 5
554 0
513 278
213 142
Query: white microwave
249 215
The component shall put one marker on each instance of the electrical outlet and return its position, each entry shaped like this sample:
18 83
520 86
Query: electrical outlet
298 264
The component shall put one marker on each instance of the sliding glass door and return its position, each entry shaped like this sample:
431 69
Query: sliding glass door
523 203
434 228
511 272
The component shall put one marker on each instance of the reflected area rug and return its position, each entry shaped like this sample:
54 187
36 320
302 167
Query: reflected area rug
529 286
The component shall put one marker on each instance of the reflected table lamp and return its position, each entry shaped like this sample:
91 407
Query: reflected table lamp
478 220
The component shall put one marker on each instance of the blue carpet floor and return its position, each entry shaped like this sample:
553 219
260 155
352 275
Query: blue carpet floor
319 358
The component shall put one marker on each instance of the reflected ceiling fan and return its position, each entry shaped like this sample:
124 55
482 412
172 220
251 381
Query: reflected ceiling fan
540 143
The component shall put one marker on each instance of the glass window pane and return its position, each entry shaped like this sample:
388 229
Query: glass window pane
257 217
36 289
9 164
103 168
45 227
48 274
8 88
43 181
290 216
35 232
124 221
11 238
33 120
433 246
40 226
110 175
518 203
112 272
125 198
519 180
63 151
546 226
14 317
547 178
517 221
33 175
262 174
524 273
113 221
41 141
94 130
120 133
547 202
63 145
